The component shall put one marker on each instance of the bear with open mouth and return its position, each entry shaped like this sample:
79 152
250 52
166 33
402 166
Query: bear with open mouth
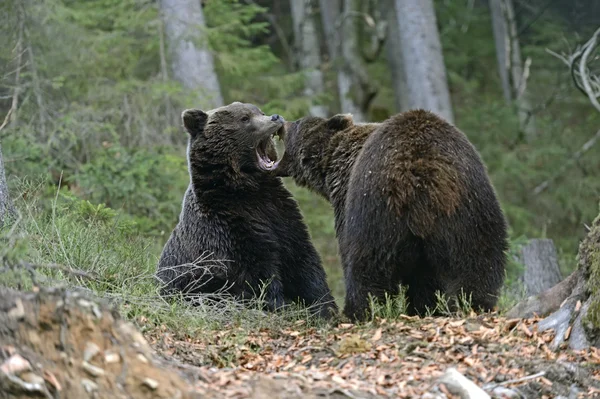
412 204
239 226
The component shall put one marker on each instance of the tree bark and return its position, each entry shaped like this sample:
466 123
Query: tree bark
541 266
394 57
339 21
192 62
309 56
422 57
501 40
6 206
513 74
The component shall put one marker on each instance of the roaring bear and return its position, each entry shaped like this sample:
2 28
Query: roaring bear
413 205
239 226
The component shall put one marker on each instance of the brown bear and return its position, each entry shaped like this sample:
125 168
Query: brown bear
239 226
413 205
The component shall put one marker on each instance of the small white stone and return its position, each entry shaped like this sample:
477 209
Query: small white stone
88 385
18 312
15 365
142 358
150 383
92 370
111 357
91 350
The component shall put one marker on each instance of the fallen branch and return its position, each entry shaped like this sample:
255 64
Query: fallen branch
515 381
30 267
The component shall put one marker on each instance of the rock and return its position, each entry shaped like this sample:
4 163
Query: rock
91 350
150 383
142 358
111 357
32 378
89 386
92 370
15 365
18 312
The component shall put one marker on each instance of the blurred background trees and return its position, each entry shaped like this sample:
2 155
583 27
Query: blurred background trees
95 90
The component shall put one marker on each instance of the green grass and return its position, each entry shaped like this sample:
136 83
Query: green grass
61 234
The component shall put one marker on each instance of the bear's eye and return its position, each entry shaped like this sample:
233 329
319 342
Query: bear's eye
245 118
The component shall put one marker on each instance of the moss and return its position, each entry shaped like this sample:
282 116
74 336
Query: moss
589 258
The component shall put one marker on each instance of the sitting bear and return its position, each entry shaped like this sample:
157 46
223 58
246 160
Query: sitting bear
413 205
239 226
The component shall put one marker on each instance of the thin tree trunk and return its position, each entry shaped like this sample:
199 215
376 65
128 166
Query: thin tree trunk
192 62
7 209
37 88
337 25
513 74
19 61
394 57
309 57
422 57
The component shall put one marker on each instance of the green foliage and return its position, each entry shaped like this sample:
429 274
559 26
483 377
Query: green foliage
250 71
97 106
149 185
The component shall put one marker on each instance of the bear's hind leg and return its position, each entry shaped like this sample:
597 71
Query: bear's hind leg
421 294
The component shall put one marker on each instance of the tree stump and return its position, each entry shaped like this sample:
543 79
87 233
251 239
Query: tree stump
541 266
572 306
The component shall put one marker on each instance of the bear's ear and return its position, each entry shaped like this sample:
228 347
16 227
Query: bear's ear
340 122
194 121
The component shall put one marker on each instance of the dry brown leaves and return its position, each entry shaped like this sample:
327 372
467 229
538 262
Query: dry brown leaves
400 359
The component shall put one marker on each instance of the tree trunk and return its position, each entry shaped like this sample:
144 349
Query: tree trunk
394 57
340 26
574 303
6 207
422 57
309 56
513 74
192 62
541 266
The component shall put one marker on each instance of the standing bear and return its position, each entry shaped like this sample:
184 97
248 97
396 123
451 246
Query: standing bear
413 205
239 227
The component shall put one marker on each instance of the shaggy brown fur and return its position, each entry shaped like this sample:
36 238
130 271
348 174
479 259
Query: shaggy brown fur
413 205
235 212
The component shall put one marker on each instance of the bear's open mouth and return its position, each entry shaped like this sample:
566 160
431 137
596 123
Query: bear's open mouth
267 147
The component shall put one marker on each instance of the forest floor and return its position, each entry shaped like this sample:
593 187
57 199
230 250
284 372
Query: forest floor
400 359
57 344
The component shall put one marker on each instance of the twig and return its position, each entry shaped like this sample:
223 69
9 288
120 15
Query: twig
78 273
515 381
588 144
6 119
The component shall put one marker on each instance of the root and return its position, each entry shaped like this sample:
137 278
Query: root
547 301
564 303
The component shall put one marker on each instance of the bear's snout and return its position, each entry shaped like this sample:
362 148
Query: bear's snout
276 118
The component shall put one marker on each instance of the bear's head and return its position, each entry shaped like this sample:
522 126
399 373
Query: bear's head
237 136
306 145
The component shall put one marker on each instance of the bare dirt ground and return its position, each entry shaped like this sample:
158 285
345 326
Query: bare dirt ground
55 345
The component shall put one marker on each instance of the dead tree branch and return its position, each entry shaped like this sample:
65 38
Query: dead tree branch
589 84
578 63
